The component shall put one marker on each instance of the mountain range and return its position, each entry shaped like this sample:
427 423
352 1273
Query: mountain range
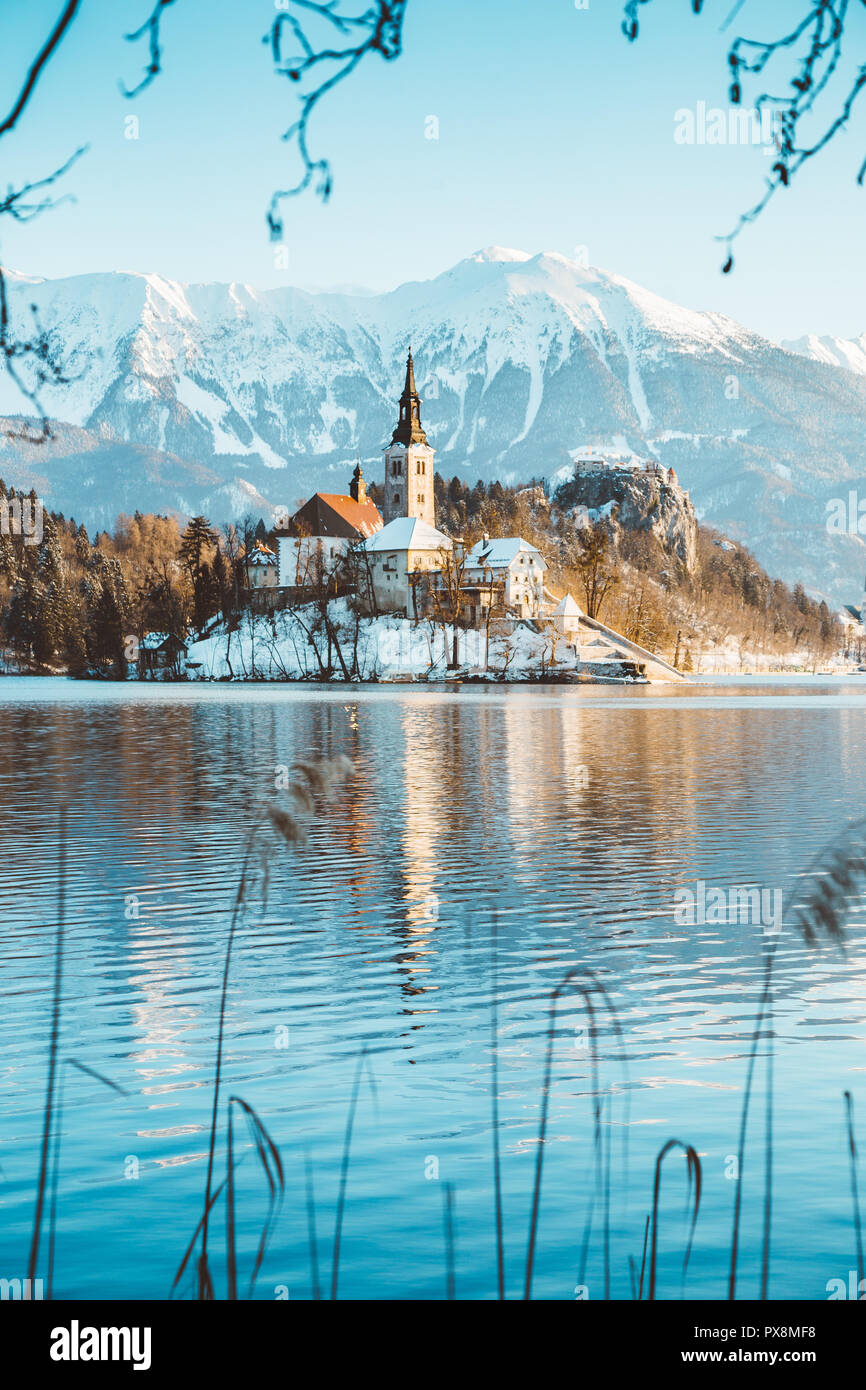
224 399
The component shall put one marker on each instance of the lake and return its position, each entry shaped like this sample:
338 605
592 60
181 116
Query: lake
514 833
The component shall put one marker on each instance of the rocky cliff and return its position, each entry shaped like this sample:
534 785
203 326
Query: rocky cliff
639 499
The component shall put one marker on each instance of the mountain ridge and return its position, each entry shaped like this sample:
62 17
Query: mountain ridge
522 361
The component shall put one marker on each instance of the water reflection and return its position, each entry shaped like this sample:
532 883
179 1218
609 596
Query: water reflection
575 819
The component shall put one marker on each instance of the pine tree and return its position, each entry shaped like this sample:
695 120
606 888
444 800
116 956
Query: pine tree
82 545
50 561
198 538
108 613
23 620
8 559
223 587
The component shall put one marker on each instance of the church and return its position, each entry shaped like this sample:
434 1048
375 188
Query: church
408 489
408 547
406 556
312 541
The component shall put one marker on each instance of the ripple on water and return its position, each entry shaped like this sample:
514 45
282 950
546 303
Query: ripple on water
553 827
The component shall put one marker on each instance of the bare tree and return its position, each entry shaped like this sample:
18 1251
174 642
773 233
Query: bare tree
593 562
491 591
317 44
29 356
811 46
359 575
234 549
298 56
448 596
509 652
30 359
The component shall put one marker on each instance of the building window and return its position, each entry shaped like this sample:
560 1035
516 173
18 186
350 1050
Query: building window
396 498
397 468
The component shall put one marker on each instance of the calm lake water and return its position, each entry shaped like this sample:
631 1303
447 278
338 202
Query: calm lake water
563 820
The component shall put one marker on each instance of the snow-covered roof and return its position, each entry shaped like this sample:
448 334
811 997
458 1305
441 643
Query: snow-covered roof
408 533
500 553
153 641
567 607
262 555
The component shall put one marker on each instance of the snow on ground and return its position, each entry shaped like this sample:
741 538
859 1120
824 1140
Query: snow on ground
284 646
730 658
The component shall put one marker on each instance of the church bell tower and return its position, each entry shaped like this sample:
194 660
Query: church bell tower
409 458
357 487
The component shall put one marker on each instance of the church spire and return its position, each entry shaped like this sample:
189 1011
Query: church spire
409 388
409 430
357 487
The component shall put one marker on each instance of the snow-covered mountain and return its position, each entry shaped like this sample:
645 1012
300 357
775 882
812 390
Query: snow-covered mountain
838 352
227 398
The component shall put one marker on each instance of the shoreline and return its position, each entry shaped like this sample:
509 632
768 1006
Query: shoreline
566 678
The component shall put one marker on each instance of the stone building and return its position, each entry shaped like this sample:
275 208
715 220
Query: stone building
260 567
405 557
566 618
513 568
408 488
311 542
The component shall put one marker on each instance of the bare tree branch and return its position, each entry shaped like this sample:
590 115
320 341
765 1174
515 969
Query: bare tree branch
378 29
43 368
12 204
815 47
150 27
50 46
29 360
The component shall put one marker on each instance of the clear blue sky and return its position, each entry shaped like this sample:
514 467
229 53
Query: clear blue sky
554 133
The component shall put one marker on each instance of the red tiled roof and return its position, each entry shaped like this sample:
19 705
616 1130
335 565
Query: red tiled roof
331 514
364 516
